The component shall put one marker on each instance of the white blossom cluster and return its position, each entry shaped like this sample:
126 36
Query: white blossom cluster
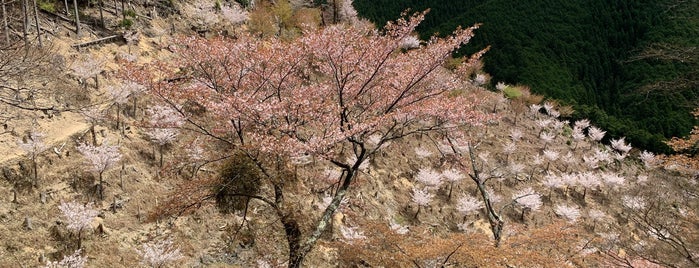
71 261
351 234
102 157
77 216
158 254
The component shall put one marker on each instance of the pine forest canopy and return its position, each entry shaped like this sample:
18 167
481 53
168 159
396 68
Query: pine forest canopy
627 65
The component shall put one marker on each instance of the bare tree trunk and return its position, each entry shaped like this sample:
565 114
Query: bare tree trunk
494 218
101 3
335 19
77 18
67 8
4 21
94 135
25 28
123 11
35 171
101 186
38 28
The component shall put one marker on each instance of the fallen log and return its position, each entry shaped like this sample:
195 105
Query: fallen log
100 40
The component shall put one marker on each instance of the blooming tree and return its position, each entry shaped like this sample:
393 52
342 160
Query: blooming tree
33 146
87 67
100 159
430 177
422 198
452 176
78 217
468 205
328 94
157 254
569 212
93 115
165 122
71 261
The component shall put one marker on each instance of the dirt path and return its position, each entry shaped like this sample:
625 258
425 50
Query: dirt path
57 130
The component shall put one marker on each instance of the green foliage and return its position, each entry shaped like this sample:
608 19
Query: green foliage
239 177
130 13
580 52
126 23
244 3
47 5
512 92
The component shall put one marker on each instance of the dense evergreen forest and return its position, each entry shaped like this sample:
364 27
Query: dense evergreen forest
628 65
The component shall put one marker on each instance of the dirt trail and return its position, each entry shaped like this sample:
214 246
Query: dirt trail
57 130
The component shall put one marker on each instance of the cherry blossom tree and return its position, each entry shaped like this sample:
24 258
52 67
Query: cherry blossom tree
70 261
528 199
78 217
33 146
100 159
429 177
88 66
452 176
325 94
93 115
595 134
165 122
157 254
422 198
468 205
571 213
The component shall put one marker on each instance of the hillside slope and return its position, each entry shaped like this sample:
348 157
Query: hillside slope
560 197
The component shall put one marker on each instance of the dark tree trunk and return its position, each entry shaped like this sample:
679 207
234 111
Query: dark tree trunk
77 18
94 135
293 239
101 6
67 8
494 218
101 186
160 149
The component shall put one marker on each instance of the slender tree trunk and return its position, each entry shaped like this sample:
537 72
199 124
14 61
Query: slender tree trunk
160 149
5 25
94 135
101 4
77 18
123 10
67 8
495 220
80 239
133 112
38 28
118 115
25 28
101 186
35 171
335 15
